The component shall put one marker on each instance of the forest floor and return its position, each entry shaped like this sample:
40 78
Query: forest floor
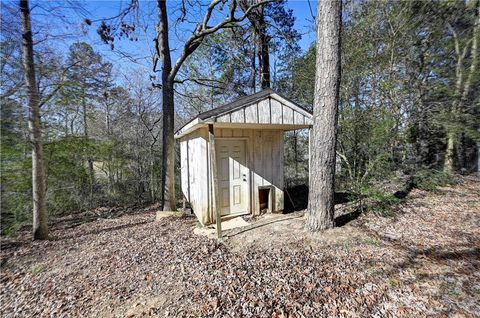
422 261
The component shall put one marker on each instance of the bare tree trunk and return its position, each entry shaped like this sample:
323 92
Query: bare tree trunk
168 202
478 155
152 174
91 173
420 118
202 30
110 172
325 110
40 226
449 155
457 107
261 41
254 68
295 152
263 54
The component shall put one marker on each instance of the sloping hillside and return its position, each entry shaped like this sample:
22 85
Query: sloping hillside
422 261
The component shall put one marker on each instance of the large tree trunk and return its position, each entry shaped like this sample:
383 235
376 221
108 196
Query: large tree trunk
40 227
168 202
324 133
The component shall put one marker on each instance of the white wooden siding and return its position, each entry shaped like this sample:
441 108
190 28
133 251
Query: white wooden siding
288 115
195 172
261 124
277 111
264 160
267 166
267 111
251 114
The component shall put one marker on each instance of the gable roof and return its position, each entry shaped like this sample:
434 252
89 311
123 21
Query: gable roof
243 102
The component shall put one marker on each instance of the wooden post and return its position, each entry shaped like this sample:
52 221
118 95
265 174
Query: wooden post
213 163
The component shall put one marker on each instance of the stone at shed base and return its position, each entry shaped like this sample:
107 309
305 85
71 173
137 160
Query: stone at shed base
209 232
165 214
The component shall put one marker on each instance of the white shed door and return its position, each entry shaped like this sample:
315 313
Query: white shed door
232 176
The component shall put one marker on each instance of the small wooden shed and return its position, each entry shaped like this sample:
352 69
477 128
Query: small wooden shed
245 139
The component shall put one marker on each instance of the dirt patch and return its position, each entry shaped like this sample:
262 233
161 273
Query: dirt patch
279 231
422 262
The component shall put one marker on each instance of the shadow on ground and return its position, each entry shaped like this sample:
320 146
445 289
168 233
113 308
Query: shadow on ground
296 198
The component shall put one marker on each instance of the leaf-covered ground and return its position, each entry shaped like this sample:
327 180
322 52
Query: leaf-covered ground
424 261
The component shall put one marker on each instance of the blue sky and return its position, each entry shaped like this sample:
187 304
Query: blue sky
97 10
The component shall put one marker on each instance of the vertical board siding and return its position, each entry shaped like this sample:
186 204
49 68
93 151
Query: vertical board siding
264 159
267 111
264 112
277 111
195 174
298 119
224 118
267 166
184 180
287 115
251 114
265 153
238 116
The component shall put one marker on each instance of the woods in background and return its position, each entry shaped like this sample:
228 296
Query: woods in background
101 139
409 104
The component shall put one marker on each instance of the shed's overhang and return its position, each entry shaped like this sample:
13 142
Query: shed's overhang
187 130
264 110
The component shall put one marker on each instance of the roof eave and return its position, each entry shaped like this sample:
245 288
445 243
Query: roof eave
191 126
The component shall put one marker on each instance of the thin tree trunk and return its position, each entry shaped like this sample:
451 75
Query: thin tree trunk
168 202
449 155
325 110
422 159
263 54
295 152
478 155
421 122
261 41
254 67
152 174
111 177
85 134
40 226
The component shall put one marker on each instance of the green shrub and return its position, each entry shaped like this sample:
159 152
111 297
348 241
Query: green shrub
430 180
378 201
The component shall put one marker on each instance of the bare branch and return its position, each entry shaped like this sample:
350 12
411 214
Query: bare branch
59 85
201 81
202 30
